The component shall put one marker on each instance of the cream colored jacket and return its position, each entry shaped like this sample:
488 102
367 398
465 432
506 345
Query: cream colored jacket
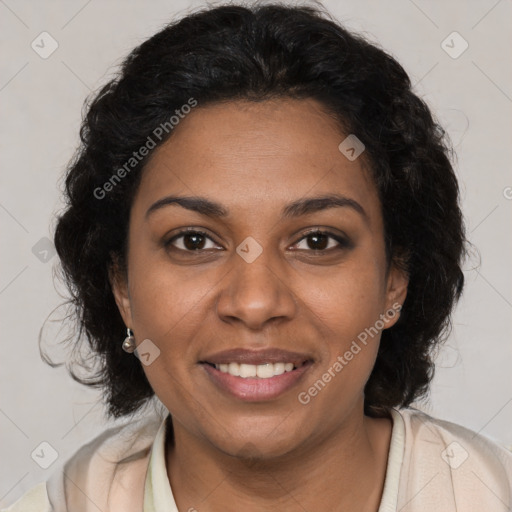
433 466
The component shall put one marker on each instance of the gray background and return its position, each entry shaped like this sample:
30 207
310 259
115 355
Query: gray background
41 102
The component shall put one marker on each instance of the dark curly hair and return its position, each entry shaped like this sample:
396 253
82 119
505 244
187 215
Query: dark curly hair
255 53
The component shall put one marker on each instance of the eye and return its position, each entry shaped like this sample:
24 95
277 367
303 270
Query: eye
192 240
318 240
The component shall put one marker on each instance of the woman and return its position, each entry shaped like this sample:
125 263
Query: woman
269 213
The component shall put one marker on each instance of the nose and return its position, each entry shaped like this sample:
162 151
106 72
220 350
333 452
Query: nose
256 293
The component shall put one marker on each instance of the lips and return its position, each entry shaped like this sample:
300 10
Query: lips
237 372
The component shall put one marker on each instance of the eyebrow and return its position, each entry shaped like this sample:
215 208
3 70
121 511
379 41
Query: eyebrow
295 209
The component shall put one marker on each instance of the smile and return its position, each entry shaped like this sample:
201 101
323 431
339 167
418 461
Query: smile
261 371
255 383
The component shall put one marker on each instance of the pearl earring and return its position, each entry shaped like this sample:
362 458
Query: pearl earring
129 342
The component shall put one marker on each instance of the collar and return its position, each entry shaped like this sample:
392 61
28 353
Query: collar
157 489
389 500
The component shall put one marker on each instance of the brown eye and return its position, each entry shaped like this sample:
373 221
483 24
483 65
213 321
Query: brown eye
322 241
190 241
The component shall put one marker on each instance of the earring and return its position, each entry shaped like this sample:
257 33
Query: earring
129 342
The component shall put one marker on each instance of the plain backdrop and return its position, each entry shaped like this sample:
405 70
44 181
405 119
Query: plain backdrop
41 102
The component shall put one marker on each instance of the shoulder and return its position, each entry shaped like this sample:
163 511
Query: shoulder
34 500
421 427
446 463
101 470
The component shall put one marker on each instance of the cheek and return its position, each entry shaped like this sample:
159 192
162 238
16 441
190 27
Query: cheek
349 299
165 305
162 296
346 308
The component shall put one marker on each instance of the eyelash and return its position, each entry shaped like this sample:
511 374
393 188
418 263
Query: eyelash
343 242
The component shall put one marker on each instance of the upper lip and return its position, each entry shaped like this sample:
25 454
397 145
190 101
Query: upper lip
255 357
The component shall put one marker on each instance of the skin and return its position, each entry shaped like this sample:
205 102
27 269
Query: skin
255 158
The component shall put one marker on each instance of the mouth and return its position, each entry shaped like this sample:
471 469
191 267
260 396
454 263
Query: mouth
255 376
253 371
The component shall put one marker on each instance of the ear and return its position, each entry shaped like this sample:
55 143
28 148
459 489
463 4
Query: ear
396 292
119 283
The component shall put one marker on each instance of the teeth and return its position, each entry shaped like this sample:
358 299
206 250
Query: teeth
233 369
262 371
247 370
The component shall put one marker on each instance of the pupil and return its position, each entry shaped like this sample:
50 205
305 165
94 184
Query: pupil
322 244
194 243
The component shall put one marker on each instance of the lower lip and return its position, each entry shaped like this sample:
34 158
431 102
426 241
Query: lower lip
252 389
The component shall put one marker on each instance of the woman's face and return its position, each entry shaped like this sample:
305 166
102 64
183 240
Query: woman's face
257 281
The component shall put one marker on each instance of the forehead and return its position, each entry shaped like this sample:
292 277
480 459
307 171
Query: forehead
254 155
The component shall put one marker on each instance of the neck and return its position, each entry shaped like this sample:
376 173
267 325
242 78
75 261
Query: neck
344 470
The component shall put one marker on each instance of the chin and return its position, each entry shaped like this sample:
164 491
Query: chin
257 443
